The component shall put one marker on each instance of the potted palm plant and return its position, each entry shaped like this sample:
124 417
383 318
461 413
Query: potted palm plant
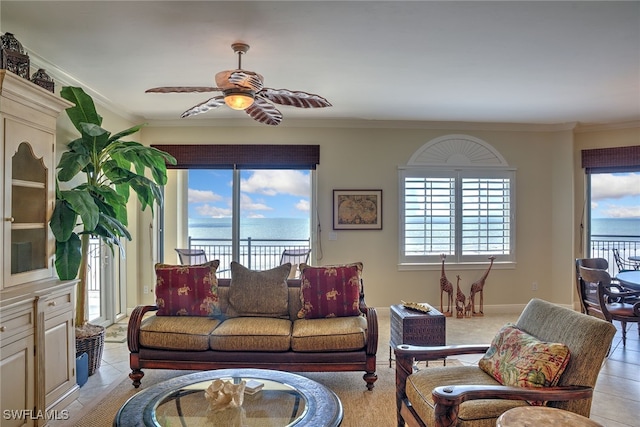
108 168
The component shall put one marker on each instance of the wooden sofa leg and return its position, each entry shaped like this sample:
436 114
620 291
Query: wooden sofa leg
136 375
370 378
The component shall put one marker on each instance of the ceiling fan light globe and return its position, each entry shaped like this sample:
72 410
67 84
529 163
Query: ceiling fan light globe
238 101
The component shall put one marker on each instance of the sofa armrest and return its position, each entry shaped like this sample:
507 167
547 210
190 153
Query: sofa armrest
133 329
447 399
372 330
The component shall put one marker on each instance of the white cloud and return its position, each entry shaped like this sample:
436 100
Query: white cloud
213 211
201 196
303 205
247 204
608 186
616 211
273 182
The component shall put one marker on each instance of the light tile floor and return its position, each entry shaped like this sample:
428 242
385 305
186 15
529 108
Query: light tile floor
616 401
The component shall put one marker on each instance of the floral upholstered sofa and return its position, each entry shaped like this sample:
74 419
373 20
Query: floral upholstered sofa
256 319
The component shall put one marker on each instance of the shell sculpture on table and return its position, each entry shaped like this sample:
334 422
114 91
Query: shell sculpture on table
223 395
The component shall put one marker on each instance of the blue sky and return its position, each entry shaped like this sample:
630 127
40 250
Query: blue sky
615 195
264 193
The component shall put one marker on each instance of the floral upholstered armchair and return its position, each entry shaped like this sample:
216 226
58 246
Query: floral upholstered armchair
551 356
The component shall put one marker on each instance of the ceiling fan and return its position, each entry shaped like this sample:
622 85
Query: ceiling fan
244 90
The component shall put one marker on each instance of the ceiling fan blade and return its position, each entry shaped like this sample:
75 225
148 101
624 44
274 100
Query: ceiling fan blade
246 79
294 98
210 104
264 112
182 89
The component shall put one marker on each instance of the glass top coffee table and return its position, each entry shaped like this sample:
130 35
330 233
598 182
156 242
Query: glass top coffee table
285 400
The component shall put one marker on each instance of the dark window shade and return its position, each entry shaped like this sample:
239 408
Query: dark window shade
255 156
618 159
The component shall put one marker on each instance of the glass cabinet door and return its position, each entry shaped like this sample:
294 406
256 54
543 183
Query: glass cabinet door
28 247
28 212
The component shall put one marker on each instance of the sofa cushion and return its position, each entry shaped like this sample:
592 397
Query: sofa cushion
187 290
259 293
516 358
252 334
185 333
334 334
483 412
330 291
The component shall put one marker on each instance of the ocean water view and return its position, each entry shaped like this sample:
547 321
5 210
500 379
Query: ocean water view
627 227
255 228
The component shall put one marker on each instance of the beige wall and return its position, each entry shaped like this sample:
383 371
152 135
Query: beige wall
549 198
368 158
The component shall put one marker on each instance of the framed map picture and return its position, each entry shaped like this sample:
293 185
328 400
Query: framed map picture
357 209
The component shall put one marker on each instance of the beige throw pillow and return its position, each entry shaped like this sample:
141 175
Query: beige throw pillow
259 293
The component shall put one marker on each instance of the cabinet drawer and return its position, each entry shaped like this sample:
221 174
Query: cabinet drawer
55 302
15 321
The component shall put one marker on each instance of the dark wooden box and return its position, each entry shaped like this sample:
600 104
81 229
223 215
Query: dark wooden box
417 328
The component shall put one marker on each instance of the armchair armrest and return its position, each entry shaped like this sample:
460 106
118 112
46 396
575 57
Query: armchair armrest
133 329
448 398
438 352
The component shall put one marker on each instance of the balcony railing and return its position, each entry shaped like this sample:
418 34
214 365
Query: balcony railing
602 245
256 254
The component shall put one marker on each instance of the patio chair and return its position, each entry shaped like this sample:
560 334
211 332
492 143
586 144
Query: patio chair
621 263
611 303
469 396
295 257
192 256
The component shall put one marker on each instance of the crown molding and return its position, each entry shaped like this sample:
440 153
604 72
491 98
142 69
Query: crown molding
584 128
64 78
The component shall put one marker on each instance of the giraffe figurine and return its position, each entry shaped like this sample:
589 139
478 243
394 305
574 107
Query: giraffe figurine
460 300
478 287
445 286
468 308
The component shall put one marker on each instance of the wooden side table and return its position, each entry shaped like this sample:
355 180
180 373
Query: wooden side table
525 416
416 328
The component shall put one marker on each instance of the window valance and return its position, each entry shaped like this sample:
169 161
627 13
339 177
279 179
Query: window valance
617 159
242 156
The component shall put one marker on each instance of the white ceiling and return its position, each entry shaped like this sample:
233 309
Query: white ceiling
507 62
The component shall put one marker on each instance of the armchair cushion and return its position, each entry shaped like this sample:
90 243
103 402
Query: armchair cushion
187 290
420 384
330 291
516 358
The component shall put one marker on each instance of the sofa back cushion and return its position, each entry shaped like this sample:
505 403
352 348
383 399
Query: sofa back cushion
258 293
187 290
330 291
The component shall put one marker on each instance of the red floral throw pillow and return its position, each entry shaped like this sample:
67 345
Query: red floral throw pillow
187 290
331 291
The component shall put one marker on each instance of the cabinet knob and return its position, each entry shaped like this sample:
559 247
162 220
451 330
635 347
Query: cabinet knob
10 219
52 303
3 328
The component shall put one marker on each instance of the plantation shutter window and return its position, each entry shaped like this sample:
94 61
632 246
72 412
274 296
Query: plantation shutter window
457 198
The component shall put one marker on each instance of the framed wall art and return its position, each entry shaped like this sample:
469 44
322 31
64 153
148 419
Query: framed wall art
357 209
